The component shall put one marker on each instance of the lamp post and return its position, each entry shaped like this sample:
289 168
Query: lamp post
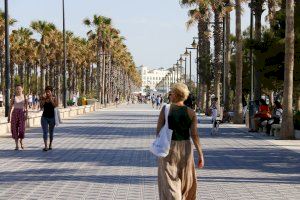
177 65
196 46
7 61
189 53
65 59
183 60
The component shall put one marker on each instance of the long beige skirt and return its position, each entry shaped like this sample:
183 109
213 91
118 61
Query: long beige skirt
176 173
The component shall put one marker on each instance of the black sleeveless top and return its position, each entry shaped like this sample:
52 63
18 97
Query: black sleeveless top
180 122
48 110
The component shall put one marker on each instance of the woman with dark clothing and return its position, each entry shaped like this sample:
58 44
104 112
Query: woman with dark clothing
176 172
276 116
48 103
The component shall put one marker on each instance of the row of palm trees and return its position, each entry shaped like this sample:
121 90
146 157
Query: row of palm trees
98 66
201 13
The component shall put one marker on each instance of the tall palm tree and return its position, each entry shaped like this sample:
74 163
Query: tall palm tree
258 10
21 47
100 25
2 47
287 126
227 55
44 29
217 6
238 116
200 15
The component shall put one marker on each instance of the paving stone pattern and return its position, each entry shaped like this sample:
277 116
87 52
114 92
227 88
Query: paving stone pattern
104 155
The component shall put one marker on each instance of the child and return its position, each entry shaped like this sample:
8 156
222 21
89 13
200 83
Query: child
214 115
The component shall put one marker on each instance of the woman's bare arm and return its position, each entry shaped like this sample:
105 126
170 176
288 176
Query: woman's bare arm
161 120
195 136
10 108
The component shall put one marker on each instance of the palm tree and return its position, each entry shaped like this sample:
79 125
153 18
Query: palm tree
258 10
100 24
217 7
43 28
227 55
238 116
2 47
201 16
21 47
287 126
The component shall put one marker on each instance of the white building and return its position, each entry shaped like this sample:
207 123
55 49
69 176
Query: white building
150 77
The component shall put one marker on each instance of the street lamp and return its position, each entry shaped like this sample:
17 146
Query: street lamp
189 53
177 65
7 61
196 46
65 59
183 60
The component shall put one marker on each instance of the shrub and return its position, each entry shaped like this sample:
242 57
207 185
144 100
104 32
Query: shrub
70 102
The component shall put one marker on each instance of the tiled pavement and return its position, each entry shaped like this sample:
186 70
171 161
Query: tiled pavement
104 155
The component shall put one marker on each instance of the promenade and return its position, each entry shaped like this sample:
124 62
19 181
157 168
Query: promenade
104 155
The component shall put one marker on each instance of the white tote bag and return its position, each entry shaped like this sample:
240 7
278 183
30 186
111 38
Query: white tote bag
57 117
161 145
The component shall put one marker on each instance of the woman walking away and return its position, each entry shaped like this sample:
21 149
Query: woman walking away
48 103
176 172
18 106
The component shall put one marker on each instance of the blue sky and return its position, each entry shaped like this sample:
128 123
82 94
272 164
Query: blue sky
155 30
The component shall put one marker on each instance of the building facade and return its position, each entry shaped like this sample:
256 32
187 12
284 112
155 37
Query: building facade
151 77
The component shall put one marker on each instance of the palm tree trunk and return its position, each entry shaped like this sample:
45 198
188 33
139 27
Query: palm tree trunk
298 101
28 75
12 78
22 73
258 10
287 126
36 78
238 113
83 80
103 80
88 79
42 70
57 81
227 61
218 58
99 86
2 68
92 84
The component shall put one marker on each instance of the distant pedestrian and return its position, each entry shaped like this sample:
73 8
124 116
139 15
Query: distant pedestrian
48 102
153 100
1 99
117 101
176 172
30 100
128 100
158 99
17 115
214 115
74 99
